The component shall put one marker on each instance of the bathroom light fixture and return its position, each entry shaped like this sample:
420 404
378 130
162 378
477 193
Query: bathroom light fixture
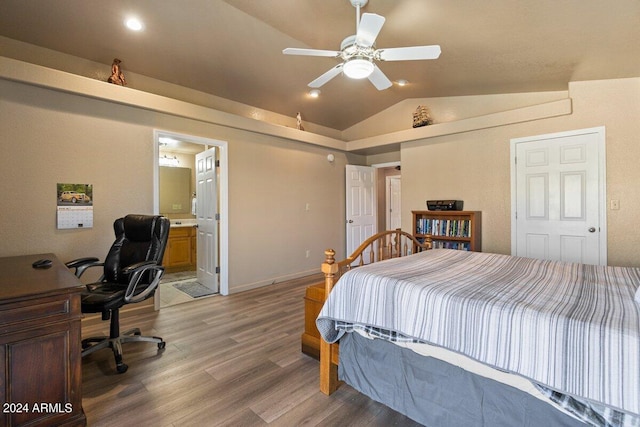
314 93
358 68
134 24
402 82
168 161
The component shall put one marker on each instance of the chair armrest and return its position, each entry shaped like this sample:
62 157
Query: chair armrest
131 268
82 264
137 271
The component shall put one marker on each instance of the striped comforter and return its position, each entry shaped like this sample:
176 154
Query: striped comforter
572 327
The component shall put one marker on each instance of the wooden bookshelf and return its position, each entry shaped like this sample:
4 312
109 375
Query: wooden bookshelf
460 230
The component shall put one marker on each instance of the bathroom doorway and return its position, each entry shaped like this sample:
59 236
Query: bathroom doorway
172 150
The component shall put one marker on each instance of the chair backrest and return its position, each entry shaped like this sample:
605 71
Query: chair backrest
138 238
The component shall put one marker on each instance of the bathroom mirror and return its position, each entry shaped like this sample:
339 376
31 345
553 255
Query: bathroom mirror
175 190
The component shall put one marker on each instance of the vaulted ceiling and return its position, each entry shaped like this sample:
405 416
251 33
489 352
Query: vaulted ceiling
233 48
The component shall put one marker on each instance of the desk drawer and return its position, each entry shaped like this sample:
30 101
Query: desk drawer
21 313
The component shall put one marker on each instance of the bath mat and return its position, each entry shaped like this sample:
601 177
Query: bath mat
193 289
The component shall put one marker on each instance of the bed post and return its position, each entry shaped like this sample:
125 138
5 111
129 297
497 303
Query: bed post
328 371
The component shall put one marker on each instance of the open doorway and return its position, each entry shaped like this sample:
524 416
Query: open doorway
179 151
389 195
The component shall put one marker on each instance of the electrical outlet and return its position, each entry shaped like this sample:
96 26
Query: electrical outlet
615 205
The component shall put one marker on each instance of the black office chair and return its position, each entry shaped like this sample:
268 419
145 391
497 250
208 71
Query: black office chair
132 272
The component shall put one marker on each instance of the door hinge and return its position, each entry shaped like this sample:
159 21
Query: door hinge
217 217
217 163
217 270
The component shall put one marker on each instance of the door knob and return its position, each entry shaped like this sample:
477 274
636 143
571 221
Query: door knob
350 221
592 229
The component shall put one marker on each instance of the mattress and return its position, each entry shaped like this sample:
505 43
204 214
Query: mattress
572 328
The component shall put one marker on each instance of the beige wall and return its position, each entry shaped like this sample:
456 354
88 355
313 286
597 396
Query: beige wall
475 166
48 136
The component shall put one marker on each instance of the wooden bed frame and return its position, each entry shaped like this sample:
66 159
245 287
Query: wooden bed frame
381 246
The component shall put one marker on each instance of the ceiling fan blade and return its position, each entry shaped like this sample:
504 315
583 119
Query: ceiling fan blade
326 76
379 80
311 52
370 26
408 53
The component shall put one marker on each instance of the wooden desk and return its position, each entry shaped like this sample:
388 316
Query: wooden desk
40 350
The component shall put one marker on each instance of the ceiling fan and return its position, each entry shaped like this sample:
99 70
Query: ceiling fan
358 52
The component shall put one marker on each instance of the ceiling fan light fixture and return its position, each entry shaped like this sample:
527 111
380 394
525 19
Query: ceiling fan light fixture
358 68
358 52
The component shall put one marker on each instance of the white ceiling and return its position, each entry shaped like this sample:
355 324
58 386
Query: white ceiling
233 48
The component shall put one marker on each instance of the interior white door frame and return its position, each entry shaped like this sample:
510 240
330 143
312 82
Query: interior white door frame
223 195
602 182
387 165
389 199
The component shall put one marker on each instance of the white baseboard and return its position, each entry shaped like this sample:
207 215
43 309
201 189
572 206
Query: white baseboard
272 281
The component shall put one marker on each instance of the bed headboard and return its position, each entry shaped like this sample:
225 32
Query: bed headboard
380 246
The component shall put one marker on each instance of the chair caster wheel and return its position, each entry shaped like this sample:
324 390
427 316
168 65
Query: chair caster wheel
162 345
122 368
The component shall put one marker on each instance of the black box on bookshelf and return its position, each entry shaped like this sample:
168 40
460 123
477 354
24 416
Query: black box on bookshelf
444 205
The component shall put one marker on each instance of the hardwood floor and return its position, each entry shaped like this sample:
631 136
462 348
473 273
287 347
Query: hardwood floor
229 361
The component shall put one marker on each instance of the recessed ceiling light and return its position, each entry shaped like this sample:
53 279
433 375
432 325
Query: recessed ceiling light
402 82
134 24
314 93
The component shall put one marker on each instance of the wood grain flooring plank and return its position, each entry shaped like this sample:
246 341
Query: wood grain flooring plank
229 361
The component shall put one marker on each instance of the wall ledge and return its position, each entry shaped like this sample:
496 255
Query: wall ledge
36 75
519 115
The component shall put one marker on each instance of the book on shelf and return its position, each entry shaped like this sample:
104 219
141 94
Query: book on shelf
444 227
445 244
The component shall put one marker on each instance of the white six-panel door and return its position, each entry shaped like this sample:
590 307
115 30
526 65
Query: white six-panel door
206 209
361 205
559 197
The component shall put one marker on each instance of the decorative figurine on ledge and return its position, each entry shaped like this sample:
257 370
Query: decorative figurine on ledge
117 77
422 117
299 122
